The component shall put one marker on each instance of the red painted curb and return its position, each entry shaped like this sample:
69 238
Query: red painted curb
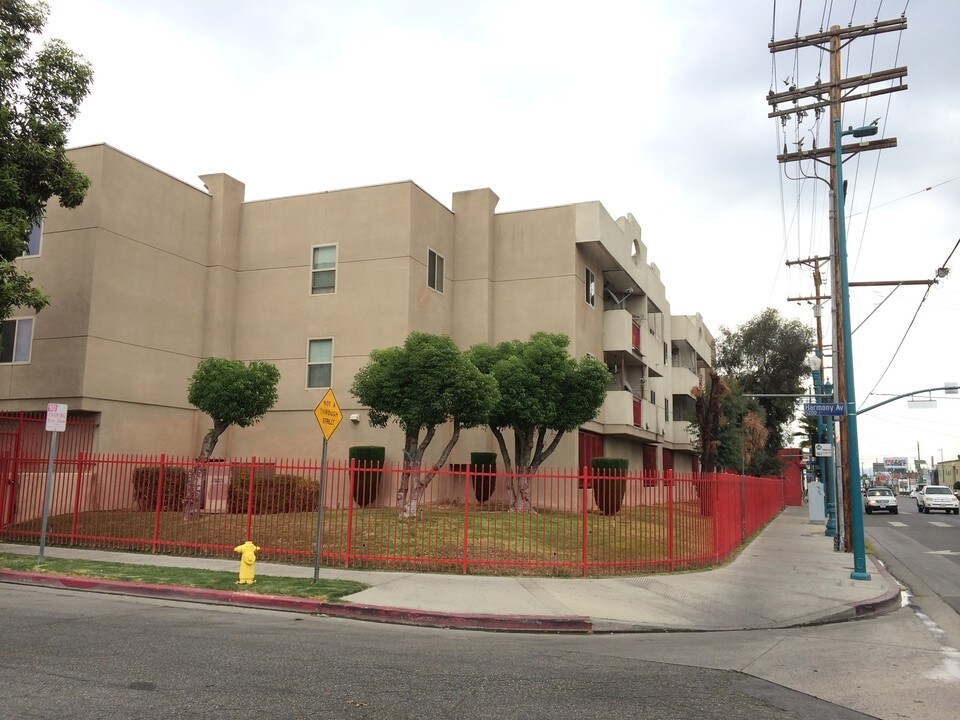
374 613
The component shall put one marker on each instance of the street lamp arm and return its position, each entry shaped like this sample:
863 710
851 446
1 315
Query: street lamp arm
899 397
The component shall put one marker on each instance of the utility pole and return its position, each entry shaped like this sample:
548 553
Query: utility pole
824 426
801 101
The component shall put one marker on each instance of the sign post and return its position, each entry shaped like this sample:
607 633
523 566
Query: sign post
328 416
56 424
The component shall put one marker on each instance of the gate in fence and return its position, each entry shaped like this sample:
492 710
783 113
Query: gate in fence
24 452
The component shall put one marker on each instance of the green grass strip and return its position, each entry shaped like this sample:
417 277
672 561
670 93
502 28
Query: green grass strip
331 590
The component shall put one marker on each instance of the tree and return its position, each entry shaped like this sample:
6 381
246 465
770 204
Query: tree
767 355
422 385
40 96
542 391
710 419
232 393
728 430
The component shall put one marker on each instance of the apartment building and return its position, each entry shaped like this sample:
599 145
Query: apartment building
151 274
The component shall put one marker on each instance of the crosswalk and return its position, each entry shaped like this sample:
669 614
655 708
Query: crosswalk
935 523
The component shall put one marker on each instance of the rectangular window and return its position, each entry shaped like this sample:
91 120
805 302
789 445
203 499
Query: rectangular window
33 246
323 278
16 337
319 363
591 283
435 271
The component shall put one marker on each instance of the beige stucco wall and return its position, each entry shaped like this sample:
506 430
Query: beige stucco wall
151 275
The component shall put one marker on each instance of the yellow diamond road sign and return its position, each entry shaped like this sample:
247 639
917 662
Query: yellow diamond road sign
328 414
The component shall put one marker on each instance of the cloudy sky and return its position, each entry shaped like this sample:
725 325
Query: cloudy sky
653 107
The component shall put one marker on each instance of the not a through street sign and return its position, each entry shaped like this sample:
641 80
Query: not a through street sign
827 408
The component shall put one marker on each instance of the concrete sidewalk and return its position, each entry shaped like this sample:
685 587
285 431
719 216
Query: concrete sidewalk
788 576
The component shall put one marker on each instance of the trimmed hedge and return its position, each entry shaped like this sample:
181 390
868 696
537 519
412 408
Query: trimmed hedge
146 481
272 493
369 461
484 485
610 483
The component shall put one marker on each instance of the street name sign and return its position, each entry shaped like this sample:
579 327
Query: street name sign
825 408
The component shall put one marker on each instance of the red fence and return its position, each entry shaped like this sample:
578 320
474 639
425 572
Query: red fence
580 523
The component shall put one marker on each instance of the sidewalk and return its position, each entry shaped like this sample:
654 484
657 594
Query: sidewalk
788 576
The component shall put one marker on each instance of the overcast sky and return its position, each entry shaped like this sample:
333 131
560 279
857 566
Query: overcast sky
655 108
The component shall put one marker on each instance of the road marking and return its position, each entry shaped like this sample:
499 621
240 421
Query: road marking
940 524
898 524
942 552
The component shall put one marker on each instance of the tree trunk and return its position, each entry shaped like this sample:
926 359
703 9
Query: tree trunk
410 489
518 489
414 481
198 474
520 495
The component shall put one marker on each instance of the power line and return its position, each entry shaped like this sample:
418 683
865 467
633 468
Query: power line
941 272
910 195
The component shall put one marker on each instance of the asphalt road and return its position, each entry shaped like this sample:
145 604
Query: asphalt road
86 655
921 549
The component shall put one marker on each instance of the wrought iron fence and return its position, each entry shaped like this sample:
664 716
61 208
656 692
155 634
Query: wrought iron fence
456 519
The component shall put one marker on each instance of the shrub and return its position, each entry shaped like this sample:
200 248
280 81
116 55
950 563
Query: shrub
368 460
484 484
610 483
146 481
272 493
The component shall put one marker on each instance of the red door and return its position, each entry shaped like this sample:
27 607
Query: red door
590 447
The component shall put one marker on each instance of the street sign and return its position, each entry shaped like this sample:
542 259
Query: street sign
56 424
328 414
56 417
825 408
823 450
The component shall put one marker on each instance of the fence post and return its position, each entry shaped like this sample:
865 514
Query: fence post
668 481
583 505
350 496
253 470
466 514
156 518
76 499
717 520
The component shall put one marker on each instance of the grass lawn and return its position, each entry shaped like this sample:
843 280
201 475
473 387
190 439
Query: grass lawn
496 541
331 590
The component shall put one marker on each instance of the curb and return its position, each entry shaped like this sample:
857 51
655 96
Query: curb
370 613
881 604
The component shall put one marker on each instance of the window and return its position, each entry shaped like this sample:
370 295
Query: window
323 278
33 246
591 284
435 271
15 338
319 363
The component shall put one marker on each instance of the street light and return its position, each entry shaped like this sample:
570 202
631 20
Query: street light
825 464
853 451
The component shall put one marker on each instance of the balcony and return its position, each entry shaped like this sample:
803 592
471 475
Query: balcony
683 380
620 332
634 416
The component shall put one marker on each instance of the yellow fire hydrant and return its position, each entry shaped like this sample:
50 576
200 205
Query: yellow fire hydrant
248 556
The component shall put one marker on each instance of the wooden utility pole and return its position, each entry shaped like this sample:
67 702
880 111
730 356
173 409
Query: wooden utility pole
800 101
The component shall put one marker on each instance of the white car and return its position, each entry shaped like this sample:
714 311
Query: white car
937 497
880 498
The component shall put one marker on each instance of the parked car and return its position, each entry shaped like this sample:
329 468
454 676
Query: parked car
937 497
880 498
